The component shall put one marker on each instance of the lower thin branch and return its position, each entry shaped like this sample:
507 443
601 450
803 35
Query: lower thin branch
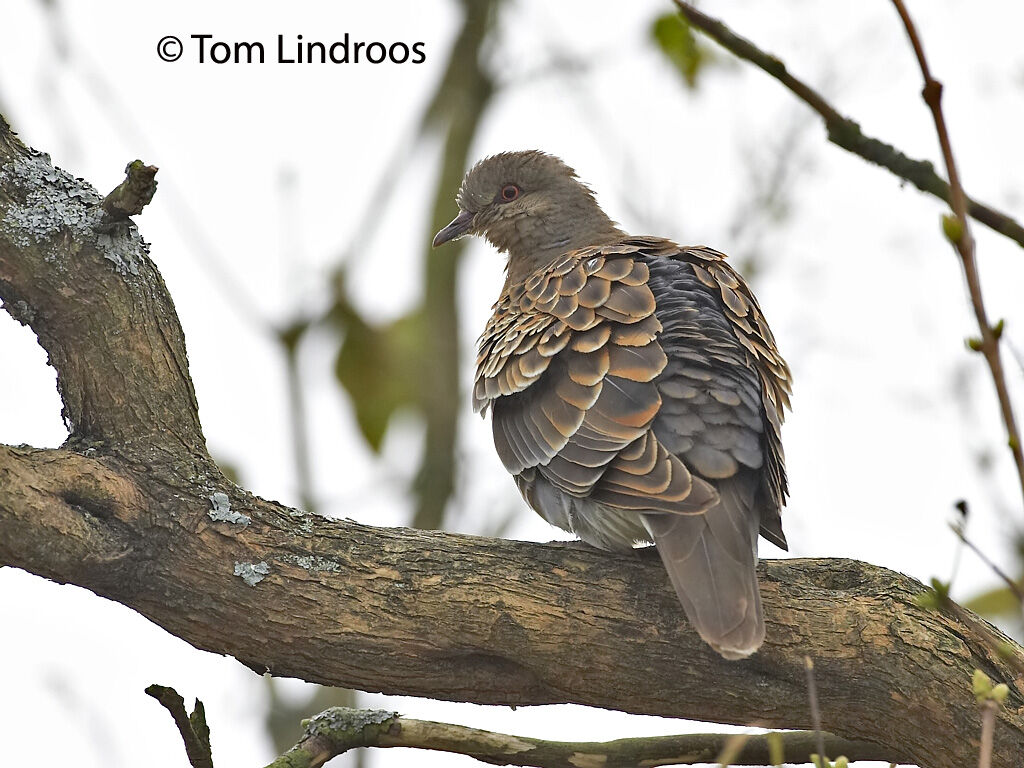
337 730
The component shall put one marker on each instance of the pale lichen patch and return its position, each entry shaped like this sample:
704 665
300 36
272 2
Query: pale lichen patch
341 721
252 574
222 512
52 202
315 563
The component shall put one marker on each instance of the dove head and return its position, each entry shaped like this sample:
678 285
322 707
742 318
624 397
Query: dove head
530 205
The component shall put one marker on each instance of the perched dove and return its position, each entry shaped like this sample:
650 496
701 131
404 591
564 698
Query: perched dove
635 388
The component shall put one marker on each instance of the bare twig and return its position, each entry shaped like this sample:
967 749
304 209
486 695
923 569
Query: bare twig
988 729
340 729
846 133
1014 587
193 728
963 241
812 696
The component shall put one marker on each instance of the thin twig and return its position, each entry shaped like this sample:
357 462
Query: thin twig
340 729
1014 587
988 729
812 696
964 244
843 131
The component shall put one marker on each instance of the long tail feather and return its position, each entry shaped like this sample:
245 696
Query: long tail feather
711 559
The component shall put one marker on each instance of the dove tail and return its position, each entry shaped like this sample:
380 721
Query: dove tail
711 559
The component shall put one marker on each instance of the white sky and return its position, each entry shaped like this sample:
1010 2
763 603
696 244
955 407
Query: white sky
864 296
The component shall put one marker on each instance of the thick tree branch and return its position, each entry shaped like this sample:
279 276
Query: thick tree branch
464 618
134 509
337 730
843 131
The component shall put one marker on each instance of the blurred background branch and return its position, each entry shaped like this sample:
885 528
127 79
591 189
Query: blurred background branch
454 115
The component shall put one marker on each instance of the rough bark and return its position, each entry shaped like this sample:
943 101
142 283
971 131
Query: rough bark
133 508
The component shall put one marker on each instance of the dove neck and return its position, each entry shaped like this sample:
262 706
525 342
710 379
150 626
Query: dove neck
537 241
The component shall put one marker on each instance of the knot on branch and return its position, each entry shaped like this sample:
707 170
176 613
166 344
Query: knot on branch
133 194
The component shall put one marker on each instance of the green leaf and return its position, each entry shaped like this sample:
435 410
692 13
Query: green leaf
674 38
935 598
941 588
999 601
378 366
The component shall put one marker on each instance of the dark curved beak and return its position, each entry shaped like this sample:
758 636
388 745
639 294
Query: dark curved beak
460 225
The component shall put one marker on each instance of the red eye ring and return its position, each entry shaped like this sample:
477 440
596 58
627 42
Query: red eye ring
509 193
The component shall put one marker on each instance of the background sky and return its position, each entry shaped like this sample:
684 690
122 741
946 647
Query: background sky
265 176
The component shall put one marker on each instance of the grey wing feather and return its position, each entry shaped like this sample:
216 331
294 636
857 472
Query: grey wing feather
751 330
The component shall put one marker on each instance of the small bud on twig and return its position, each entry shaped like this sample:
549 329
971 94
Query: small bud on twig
952 228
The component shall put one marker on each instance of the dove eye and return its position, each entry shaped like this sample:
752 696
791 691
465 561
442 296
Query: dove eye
509 193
